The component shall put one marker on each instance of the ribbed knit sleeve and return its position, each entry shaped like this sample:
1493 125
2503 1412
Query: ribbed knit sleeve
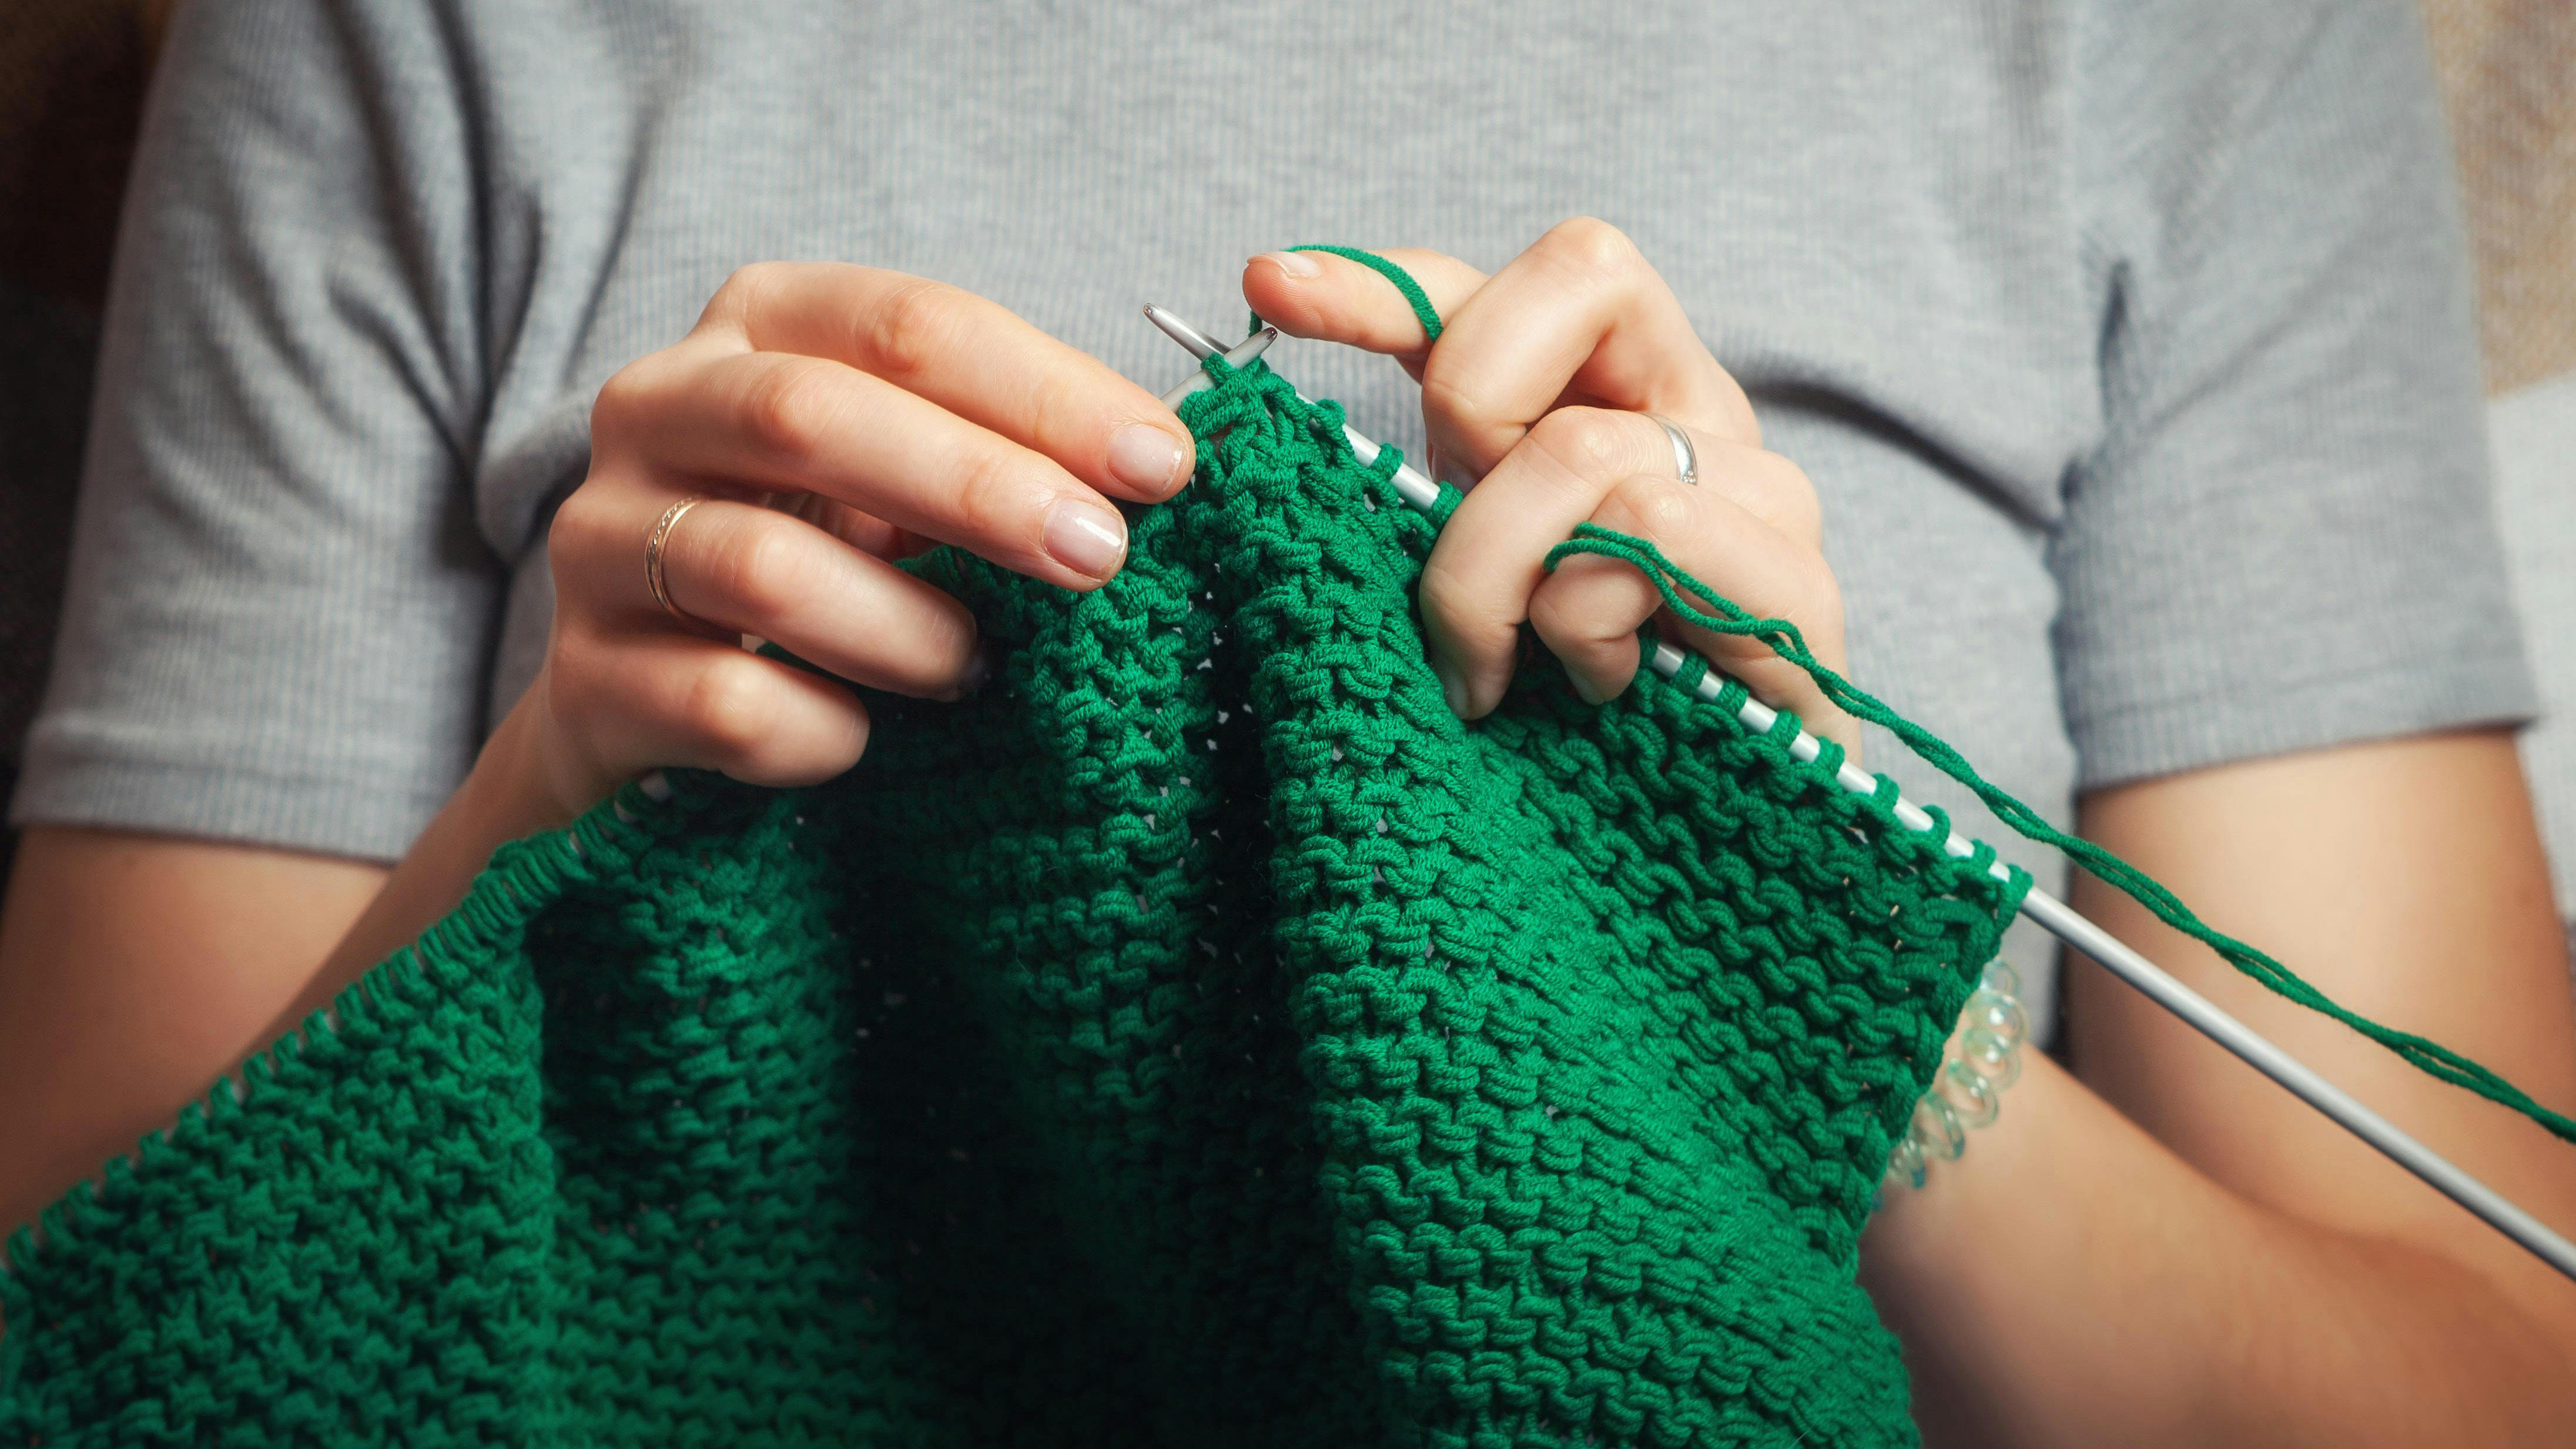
2284 539
279 610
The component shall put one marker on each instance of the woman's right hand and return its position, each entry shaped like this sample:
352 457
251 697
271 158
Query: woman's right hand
834 418
882 410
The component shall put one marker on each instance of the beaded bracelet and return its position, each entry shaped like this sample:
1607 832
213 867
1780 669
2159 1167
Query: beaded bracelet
1967 1093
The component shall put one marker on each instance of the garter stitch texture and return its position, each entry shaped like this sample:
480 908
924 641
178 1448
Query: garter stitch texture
1200 1037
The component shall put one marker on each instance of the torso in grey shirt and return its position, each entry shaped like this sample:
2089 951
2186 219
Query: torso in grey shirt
2127 346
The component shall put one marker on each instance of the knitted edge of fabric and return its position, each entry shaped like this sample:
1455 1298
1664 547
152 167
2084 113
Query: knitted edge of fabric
523 877
528 875
1712 1299
1696 602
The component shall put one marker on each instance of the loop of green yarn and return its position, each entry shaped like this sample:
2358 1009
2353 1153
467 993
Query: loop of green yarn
1200 1035
1723 616
1412 290
1414 296
1720 615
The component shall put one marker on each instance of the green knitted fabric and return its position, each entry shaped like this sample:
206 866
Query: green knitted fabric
1199 1037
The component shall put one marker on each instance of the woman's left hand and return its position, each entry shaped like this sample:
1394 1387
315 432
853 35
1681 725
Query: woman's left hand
1536 399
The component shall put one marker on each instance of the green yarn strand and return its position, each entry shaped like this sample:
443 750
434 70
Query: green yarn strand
1414 296
1718 614
1696 602
1240 1048
1412 290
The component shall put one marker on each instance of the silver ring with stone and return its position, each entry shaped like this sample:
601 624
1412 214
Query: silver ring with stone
1685 457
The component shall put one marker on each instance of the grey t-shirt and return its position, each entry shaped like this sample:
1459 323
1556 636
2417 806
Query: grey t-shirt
2128 346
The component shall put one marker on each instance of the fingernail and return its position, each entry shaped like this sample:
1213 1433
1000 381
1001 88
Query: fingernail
1295 264
978 671
1584 689
1145 458
1086 538
1452 688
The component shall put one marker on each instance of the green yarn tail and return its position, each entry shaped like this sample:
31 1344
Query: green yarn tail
1723 616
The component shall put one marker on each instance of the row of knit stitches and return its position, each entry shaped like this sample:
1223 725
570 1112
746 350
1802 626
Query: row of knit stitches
1536 1227
352 1248
716 1275
1112 911
1202 1036
1801 949
1699 605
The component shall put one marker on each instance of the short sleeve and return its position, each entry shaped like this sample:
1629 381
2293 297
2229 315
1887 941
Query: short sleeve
2284 539
279 610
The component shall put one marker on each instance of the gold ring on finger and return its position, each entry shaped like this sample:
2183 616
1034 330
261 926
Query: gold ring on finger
654 545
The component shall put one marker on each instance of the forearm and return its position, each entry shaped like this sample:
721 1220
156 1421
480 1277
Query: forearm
135 970
2071 1280
504 797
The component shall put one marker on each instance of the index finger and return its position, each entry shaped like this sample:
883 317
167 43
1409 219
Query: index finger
969 355
1334 299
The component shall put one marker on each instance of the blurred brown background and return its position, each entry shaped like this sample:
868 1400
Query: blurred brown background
71 86
2508 73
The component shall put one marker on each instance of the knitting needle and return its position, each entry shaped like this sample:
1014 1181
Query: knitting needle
2066 924
1409 482
1199 381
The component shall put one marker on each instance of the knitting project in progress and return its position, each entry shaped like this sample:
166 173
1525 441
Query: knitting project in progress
1201 1036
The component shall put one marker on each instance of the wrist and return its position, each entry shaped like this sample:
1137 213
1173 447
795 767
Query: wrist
1982 1058
531 774
510 792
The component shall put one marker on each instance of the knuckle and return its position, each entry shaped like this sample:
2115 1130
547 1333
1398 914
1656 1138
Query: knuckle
1746 424
1590 244
789 408
742 289
763 567
1663 510
1583 610
993 498
582 526
1054 413
1439 592
1591 443
726 708
625 397
1654 508
1460 401
1821 614
1467 615
1791 495
591 702
910 328
1553 611
572 676
1768 486
1451 392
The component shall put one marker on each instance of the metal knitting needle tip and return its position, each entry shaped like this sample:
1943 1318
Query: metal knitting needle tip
1201 345
2061 921
1243 353
1409 481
